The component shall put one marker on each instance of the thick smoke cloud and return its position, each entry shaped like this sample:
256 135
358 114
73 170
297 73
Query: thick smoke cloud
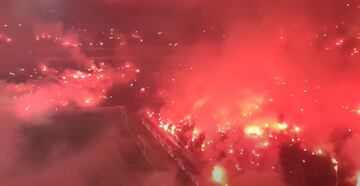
282 61
44 73
290 62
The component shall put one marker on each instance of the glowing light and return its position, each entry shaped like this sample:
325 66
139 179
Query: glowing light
88 100
319 152
339 42
44 68
166 127
297 129
281 126
266 144
335 163
173 128
142 90
195 134
203 146
231 151
218 175
253 131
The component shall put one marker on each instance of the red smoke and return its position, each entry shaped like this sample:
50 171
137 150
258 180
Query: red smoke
255 81
286 66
